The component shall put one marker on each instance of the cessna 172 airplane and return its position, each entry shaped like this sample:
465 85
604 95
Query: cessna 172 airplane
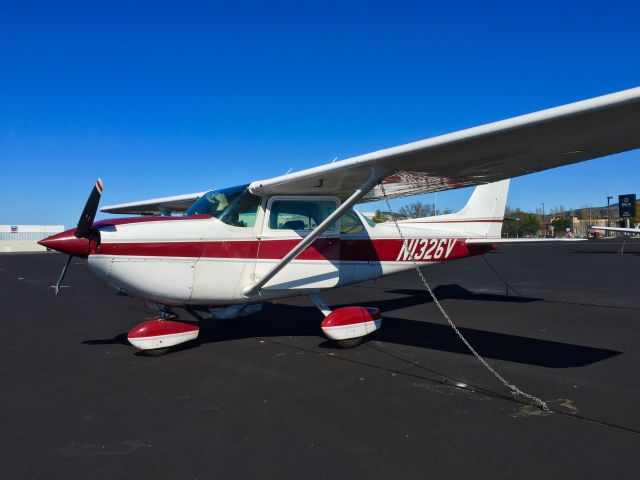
298 234
617 229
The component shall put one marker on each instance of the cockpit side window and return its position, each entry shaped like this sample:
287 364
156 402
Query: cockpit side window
300 214
235 206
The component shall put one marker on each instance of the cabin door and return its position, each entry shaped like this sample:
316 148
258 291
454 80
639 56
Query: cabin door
287 220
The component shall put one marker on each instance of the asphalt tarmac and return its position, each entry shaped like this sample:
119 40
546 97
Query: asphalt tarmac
268 397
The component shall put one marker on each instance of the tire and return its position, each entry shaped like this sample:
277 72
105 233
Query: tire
156 352
349 342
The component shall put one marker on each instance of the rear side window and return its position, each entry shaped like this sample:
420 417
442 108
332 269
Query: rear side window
300 214
350 223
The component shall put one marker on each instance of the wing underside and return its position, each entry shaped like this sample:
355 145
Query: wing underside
510 148
156 206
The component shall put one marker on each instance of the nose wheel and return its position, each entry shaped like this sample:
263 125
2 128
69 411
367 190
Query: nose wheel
156 337
156 352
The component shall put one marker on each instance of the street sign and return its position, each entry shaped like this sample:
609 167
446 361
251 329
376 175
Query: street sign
627 205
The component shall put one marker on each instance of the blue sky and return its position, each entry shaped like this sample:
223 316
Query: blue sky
189 96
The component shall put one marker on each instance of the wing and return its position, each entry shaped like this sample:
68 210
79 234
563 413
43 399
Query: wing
156 206
500 241
617 229
530 143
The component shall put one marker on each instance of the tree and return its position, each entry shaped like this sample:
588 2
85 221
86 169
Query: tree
520 224
560 224
635 220
378 217
530 225
589 214
416 210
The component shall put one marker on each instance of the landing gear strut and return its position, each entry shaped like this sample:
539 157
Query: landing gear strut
168 314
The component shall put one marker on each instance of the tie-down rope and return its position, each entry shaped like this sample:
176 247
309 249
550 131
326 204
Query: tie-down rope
514 390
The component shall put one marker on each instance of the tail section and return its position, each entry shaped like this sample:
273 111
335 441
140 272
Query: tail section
482 216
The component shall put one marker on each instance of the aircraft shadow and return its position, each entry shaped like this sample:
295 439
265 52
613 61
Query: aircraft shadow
281 320
457 292
500 346
452 291
287 320
119 339
609 252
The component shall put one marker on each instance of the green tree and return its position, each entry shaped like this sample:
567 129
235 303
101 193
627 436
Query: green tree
635 220
529 225
560 225
520 224
378 217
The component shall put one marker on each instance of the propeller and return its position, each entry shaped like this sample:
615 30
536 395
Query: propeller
71 245
89 213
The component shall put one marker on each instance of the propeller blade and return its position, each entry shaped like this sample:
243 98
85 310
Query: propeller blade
89 212
61 277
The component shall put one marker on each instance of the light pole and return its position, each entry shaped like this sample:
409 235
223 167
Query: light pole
544 229
608 214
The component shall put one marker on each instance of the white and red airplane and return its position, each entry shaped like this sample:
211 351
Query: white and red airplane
298 234
617 229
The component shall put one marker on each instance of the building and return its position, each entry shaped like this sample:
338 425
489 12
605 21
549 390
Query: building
580 226
24 238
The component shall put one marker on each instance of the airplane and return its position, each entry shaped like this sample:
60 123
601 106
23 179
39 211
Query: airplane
297 234
617 229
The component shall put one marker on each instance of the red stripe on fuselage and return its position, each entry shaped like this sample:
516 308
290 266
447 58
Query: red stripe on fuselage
409 222
322 249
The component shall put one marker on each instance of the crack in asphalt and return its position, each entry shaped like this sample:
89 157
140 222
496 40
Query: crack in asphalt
453 383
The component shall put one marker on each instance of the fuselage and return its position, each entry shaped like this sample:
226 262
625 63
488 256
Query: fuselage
202 260
230 240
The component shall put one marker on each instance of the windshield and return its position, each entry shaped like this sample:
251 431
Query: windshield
234 206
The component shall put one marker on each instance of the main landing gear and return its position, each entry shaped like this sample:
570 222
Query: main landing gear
157 336
348 326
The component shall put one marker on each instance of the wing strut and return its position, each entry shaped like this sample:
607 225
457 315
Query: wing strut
375 177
